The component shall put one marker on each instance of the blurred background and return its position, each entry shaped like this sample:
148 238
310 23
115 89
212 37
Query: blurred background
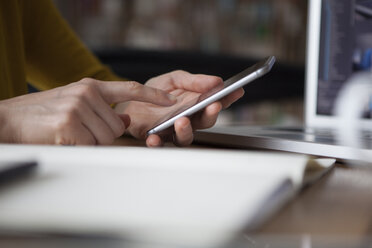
140 39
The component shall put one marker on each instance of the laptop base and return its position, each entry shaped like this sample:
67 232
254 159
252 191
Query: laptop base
322 142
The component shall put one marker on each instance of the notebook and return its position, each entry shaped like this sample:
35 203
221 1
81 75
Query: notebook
178 196
338 46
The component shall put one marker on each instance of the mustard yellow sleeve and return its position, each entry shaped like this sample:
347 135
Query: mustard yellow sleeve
54 54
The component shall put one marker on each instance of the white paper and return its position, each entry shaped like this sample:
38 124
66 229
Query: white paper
180 194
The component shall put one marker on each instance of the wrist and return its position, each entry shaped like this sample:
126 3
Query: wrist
4 124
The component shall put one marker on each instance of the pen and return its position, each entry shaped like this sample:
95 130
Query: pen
11 170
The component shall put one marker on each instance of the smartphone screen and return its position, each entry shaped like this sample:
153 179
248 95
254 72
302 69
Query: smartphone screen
191 106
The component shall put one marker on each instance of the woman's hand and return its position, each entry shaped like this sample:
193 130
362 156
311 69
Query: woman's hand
76 114
185 87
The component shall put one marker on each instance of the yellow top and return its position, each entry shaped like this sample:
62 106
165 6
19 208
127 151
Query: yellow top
38 46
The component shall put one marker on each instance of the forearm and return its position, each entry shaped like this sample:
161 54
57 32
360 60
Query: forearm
4 123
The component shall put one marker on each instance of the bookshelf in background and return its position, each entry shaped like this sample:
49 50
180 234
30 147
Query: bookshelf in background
244 28
254 28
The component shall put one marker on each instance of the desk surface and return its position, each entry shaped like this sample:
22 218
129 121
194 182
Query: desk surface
339 204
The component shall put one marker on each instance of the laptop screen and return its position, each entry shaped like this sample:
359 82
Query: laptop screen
345 47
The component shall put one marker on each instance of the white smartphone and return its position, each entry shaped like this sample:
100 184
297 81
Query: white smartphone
194 105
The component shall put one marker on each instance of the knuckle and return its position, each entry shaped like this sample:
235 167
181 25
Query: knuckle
61 140
86 80
67 119
179 72
133 86
86 90
64 129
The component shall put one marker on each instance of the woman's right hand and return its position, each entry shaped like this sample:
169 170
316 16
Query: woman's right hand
75 114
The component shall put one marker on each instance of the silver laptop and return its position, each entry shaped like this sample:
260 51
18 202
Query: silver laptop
339 45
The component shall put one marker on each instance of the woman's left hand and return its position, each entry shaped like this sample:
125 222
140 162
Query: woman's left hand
186 87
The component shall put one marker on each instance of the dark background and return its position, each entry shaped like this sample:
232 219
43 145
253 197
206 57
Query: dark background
140 39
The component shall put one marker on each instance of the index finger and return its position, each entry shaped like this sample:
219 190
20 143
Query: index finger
116 92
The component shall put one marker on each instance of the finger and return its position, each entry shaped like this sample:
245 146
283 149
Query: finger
154 140
231 98
107 114
85 136
102 132
208 117
115 92
183 132
125 119
194 82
